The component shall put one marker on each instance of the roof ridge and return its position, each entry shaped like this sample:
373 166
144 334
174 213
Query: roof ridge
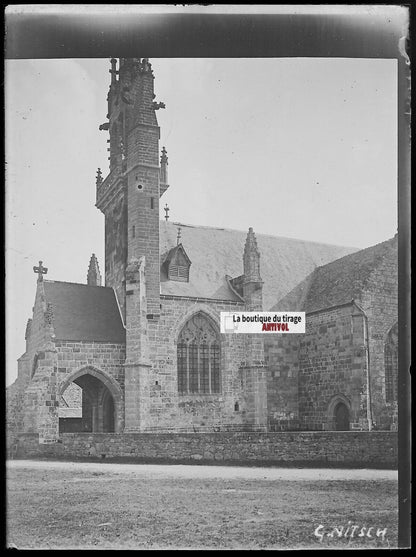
258 234
75 283
308 293
355 253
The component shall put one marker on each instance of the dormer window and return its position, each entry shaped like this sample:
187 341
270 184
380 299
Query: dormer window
177 264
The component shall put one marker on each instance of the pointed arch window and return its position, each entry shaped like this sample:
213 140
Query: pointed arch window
391 364
198 357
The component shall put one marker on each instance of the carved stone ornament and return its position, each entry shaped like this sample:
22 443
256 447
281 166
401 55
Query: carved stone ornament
133 268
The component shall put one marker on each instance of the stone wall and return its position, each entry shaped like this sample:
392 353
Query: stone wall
380 303
169 410
14 400
308 372
332 365
116 247
375 449
40 331
281 357
26 397
105 356
104 361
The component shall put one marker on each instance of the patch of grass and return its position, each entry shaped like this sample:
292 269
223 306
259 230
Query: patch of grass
50 508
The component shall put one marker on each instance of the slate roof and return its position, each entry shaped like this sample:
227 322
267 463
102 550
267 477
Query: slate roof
338 282
91 313
217 252
82 312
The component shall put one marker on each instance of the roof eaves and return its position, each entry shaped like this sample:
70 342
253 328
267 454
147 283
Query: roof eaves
233 290
119 308
332 308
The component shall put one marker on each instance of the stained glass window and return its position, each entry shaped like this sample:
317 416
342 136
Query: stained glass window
199 357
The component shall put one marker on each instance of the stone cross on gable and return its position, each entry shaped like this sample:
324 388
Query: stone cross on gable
40 270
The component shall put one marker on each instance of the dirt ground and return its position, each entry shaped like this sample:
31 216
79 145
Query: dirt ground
136 506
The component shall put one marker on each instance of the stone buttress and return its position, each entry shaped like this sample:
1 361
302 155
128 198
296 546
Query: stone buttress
254 370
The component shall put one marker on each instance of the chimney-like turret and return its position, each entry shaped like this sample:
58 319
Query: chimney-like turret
94 275
251 258
252 284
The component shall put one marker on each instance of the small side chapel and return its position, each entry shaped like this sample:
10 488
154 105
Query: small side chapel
143 352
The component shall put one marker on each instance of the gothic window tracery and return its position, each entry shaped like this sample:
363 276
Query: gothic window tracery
198 354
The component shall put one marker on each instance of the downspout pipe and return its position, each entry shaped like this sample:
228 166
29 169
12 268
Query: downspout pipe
368 367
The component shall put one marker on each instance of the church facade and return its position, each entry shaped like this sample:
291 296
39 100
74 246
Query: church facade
144 352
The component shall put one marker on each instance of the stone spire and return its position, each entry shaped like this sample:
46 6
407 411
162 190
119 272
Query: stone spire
98 179
94 275
251 258
164 166
252 283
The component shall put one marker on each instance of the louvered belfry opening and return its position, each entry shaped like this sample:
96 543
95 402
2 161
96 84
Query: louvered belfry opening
178 264
179 272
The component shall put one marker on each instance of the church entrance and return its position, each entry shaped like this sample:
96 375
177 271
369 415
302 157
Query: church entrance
86 405
342 417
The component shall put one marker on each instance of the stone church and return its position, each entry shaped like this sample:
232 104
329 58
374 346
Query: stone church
143 352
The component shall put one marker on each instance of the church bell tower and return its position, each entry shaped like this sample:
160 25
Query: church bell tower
129 195
129 198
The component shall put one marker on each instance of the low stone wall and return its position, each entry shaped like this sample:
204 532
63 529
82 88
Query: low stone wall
327 448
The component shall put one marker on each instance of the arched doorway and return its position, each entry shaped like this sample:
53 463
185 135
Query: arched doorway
341 417
95 410
107 409
338 413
